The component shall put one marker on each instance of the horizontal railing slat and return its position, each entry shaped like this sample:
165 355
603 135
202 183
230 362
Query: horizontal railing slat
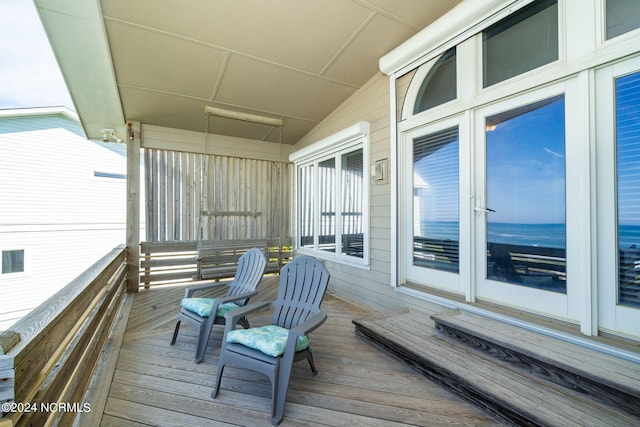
62 339
177 261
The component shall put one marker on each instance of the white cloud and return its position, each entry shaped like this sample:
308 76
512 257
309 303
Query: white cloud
28 70
553 153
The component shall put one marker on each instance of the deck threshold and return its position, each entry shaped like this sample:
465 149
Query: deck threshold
492 374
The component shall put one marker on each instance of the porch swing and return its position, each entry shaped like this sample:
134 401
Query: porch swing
218 259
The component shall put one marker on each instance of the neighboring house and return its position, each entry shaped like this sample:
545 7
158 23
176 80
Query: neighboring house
62 205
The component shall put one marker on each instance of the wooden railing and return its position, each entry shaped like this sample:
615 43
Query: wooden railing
177 261
61 342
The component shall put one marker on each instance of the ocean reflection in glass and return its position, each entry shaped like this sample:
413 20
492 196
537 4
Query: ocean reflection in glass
525 189
628 188
435 200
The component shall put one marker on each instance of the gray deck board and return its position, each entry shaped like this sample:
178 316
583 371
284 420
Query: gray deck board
617 372
158 384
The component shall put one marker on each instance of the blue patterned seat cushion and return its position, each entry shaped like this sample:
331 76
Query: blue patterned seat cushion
202 306
270 339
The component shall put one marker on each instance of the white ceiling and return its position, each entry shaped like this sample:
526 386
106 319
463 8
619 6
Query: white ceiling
161 62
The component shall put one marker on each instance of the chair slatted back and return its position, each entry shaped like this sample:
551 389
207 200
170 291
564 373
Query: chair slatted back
251 266
303 283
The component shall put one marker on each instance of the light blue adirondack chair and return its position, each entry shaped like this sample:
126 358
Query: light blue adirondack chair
272 349
198 311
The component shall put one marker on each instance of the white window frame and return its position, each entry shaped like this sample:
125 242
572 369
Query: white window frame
613 318
444 280
473 97
350 139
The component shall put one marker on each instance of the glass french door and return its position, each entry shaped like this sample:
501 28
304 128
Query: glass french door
432 202
520 212
618 160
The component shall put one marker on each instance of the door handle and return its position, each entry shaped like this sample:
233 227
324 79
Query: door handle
478 209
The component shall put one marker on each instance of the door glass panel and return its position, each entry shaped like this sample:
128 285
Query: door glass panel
327 182
352 193
305 206
435 200
628 188
525 193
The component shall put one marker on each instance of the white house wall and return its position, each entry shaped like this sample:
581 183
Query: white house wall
54 207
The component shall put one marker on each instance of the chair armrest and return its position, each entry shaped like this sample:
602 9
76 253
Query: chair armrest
188 293
303 328
217 302
308 325
238 297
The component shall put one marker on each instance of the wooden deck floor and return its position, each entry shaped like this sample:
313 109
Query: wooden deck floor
154 383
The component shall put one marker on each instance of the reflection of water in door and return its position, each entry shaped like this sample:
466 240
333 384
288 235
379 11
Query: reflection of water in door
435 201
525 186
627 195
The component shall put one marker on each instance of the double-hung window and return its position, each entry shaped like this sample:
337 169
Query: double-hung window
332 197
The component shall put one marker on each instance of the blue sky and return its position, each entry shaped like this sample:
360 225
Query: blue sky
525 170
29 73
526 167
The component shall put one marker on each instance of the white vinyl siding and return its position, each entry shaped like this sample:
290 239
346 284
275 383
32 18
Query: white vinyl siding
54 207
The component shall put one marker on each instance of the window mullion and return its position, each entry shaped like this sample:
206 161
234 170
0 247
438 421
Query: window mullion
315 207
338 203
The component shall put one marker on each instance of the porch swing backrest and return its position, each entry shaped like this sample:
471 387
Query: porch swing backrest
217 259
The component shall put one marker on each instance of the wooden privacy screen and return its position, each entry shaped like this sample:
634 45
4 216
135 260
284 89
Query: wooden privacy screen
207 197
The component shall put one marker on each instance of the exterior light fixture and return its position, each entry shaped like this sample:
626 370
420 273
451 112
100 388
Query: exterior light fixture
110 135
